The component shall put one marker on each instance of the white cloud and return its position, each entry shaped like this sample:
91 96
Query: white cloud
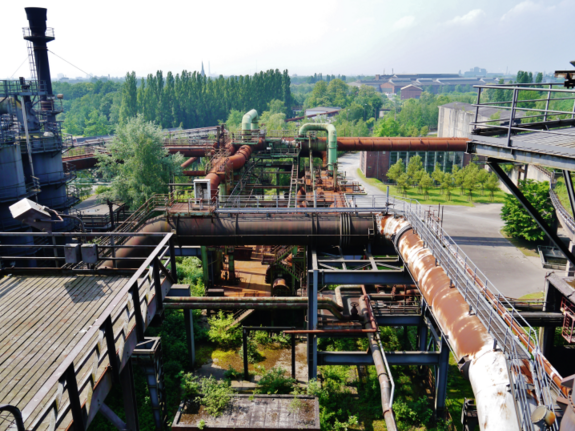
469 18
525 7
403 23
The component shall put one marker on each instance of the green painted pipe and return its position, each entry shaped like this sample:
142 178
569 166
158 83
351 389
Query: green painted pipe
250 121
331 140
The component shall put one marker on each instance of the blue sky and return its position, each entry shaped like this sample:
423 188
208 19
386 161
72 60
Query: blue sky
328 36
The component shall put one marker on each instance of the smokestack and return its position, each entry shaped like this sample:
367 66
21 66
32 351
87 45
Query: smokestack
38 36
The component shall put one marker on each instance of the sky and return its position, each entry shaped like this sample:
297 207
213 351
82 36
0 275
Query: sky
349 37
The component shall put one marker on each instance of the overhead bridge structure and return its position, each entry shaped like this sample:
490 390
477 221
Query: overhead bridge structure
274 222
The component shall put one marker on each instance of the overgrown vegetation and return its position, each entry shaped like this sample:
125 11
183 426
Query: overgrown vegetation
136 164
518 222
274 381
223 332
213 394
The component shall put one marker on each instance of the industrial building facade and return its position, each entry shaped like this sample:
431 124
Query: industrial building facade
376 164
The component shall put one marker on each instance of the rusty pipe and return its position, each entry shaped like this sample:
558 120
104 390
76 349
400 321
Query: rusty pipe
376 353
390 144
189 162
467 336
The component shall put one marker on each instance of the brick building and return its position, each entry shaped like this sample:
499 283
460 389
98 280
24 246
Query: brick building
411 92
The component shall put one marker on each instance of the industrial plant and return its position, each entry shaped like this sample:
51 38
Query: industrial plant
287 245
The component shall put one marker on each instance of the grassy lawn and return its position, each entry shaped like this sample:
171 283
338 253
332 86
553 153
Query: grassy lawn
435 196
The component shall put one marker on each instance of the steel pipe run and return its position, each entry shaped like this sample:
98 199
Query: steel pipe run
382 376
331 140
468 338
189 162
259 303
390 144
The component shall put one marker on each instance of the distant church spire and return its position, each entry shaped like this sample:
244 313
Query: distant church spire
203 73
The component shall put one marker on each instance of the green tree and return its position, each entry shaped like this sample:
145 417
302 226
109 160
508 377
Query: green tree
415 169
234 119
458 177
403 183
396 170
492 185
425 183
137 164
129 104
97 125
518 222
447 184
470 179
438 174
482 177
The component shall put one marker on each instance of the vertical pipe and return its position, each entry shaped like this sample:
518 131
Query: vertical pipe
189 322
205 265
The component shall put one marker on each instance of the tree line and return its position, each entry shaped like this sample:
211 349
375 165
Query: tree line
191 100
467 179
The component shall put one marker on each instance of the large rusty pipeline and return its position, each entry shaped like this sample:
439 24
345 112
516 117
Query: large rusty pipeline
255 229
390 144
468 338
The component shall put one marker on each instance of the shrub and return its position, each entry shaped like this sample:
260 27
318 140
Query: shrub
413 412
190 386
223 332
518 222
275 381
233 374
214 395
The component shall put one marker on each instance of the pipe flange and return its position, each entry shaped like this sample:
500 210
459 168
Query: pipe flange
399 234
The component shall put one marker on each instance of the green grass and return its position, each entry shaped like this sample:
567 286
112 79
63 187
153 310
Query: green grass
561 192
536 295
435 196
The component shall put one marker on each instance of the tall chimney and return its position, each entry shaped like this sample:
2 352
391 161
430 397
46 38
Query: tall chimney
37 35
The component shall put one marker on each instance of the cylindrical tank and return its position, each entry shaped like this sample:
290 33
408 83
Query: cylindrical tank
12 180
54 197
47 168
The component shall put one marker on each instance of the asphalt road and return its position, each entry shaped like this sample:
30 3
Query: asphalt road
477 231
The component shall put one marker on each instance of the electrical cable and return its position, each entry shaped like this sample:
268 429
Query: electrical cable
89 74
22 64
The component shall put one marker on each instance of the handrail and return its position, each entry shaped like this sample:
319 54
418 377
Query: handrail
510 331
142 285
15 411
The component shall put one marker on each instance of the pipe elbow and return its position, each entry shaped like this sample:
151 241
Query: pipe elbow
250 120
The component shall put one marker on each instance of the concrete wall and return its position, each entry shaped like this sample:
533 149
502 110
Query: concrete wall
455 123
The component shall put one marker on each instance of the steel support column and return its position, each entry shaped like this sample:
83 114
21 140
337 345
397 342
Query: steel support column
422 329
441 378
148 355
531 210
183 290
312 290
129 397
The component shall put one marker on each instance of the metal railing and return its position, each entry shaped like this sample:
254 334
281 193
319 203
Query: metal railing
526 107
126 317
511 333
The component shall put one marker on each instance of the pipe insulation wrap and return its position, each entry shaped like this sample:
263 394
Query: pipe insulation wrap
331 140
467 336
